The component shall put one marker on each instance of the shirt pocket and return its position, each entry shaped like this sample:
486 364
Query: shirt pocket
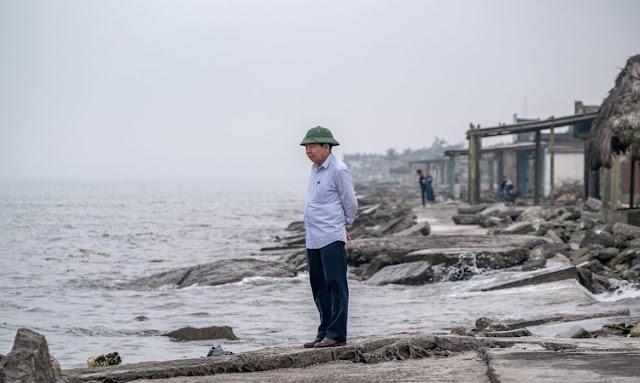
324 192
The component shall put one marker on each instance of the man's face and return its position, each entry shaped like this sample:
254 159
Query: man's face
317 153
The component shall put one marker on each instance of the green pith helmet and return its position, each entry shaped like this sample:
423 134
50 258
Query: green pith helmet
319 135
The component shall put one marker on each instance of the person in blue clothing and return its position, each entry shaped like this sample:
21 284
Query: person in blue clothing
431 197
506 190
330 206
426 187
422 181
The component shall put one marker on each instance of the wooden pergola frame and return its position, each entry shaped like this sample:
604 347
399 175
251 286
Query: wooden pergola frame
475 135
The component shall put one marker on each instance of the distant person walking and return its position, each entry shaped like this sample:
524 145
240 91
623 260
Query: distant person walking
422 181
330 205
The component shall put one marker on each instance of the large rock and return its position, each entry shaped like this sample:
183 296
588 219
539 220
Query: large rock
593 282
629 231
575 332
532 213
472 209
519 228
411 273
29 360
363 251
604 255
482 258
495 210
624 257
593 204
536 261
215 273
465 219
601 238
206 333
434 265
296 226
536 277
635 331
421 228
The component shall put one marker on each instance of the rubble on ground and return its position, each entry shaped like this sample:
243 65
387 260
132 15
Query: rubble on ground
601 252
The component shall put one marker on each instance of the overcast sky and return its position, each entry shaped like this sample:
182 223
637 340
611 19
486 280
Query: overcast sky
216 88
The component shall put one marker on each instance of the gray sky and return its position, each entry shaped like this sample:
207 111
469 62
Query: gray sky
216 88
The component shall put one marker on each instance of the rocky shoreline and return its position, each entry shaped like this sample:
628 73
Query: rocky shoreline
395 243
605 255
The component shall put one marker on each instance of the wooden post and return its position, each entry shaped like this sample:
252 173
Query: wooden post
615 183
552 168
452 177
478 179
474 168
632 180
538 170
606 195
586 176
490 162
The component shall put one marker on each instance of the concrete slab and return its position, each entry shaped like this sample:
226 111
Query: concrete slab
467 367
518 366
536 277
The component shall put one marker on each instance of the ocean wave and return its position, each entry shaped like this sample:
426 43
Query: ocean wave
261 281
622 290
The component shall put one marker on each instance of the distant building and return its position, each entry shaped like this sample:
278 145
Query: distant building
393 166
516 160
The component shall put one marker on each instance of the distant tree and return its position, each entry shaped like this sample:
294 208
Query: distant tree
391 153
439 143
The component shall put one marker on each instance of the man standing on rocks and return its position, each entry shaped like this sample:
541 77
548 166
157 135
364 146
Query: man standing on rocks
330 205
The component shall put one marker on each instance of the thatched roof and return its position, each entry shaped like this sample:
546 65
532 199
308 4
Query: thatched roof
616 130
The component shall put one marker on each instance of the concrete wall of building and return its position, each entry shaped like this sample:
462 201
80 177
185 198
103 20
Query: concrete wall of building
568 167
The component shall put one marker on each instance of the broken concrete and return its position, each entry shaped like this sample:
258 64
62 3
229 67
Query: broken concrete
215 273
575 332
206 333
627 230
376 353
542 366
428 266
536 277
519 228
366 350
465 367
565 318
421 228
472 209
361 251
410 273
465 219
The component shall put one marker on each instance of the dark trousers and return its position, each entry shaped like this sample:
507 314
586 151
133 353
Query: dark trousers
423 194
328 277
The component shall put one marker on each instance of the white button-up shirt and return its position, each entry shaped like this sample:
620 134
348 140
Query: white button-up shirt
330 205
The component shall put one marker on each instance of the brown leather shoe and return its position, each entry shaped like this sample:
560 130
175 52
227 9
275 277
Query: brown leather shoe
312 343
328 342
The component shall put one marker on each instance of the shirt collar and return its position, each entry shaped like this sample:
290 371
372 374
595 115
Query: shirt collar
328 161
